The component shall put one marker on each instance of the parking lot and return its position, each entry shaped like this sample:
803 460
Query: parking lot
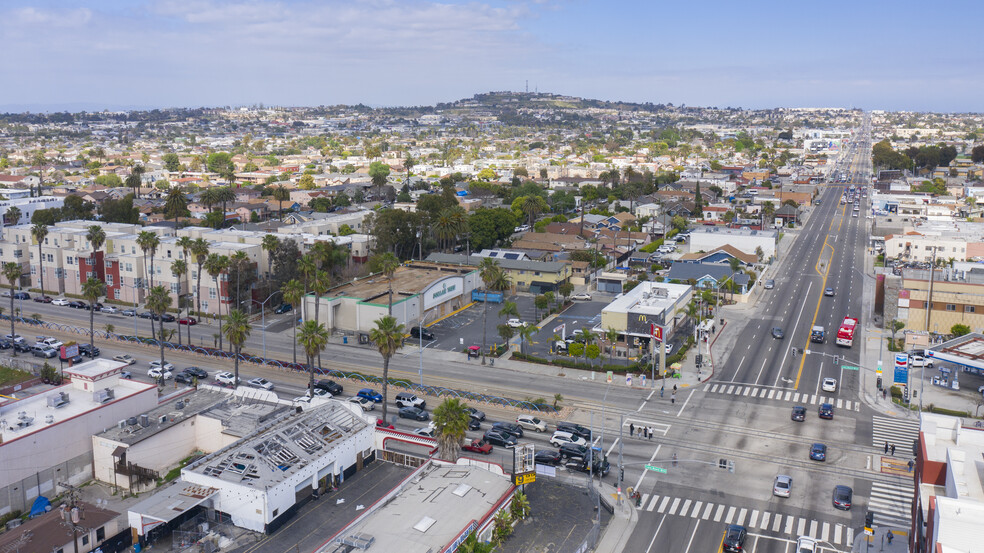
465 328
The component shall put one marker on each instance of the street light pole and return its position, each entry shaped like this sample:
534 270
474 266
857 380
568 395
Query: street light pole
263 317
420 335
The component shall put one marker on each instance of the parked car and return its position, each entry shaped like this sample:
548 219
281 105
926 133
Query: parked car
111 309
501 439
147 315
44 351
406 399
5 344
59 302
364 403
474 424
283 308
261 383
129 312
21 347
22 296
583 296
125 358
42 299
806 544
76 304
560 437
920 360
529 422
331 386
818 452
515 323
769 284
157 373
475 413
188 321
826 411
478 446
573 450
576 429
50 342
96 306
509 427
157 364
782 486
799 413
829 385
168 318
734 538
184 377
226 378
89 350
415 413
428 431
547 457
416 332
370 394
842 497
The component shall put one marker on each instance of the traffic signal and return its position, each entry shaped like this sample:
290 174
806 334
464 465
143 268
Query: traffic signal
869 519
837 359
722 463
621 474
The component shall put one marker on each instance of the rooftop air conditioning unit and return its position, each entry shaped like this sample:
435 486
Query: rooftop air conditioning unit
103 396
58 400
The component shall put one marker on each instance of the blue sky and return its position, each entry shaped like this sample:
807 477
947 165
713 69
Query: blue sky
900 55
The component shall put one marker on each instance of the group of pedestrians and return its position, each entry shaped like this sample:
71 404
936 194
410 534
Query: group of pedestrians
672 395
644 431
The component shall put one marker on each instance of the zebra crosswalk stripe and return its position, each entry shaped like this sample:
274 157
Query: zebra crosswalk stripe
900 432
782 395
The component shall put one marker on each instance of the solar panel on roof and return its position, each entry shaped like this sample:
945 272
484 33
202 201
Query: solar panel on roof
511 256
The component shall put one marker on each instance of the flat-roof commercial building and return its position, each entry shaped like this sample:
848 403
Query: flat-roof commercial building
649 303
525 275
47 438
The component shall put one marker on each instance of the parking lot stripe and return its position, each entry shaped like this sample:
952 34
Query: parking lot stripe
673 507
789 523
747 390
696 511
731 515
764 524
662 506
754 518
741 517
850 535
813 529
707 511
730 389
825 531
838 530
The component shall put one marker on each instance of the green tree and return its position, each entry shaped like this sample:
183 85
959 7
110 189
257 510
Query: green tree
450 423
176 205
148 242
566 289
12 216
611 335
199 249
158 301
269 244
179 268
387 264
12 272
592 351
171 162
388 338
506 332
92 290
293 292
281 194
586 337
119 211
221 163
501 527
39 232
237 330
959 330
540 303
313 338
378 171
306 183
519 507
526 334
215 265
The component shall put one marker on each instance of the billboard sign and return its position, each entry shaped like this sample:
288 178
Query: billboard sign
442 291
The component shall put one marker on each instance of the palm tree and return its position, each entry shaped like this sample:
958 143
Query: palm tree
199 249
450 423
313 338
92 290
387 264
388 337
445 227
224 195
149 242
281 194
237 330
215 264
209 198
329 257
611 335
526 333
175 205
96 237
158 301
179 268
12 272
293 291
186 243
39 231
270 244
587 338
532 206
495 280
12 215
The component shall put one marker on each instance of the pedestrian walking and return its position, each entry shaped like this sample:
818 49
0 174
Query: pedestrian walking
673 397
632 430
674 388
886 447
650 431
893 450
910 465
661 391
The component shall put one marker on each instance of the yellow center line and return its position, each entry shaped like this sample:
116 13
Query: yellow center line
824 274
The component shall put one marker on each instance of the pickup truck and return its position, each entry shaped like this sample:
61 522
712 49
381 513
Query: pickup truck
477 446
817 334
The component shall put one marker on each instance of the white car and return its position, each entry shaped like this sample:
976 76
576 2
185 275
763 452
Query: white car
156 373
515 323
60 301
110 309
529 422
366 403
669 348
805 544
261 383
125 358
53 343
156 364
829 385
917 360
583 296
226 378
560 437
428 431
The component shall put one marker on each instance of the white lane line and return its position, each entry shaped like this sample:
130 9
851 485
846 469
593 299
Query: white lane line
684 406
707 511
643 475
689 543
795 325
738 368
673 507
696 511
656 533
731 515
718 513
662 506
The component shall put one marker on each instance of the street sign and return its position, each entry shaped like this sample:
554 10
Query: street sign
849 368
528 478
869 532
656 332
878 371
654 468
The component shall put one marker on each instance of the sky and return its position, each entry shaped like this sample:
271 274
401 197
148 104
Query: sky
872 54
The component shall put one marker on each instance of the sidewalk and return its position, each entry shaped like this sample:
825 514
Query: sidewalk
880 541
615 537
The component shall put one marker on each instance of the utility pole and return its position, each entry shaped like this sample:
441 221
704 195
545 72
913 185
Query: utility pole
72 513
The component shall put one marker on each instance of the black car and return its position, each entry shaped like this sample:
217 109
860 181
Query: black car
283 308
75 304
799 413
599 466
842 497
97 306
196 371
146 315
414 413
547 457
474 424
509 427
734 538
168 318
501 439
184 377
329 386
5 344
88 350
575 429
416 332
22 296
22 347
826 411
475 413
42 299
73 360
574 450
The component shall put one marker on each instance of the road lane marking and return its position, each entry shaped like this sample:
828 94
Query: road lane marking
685 508
689 543
789 524
673 507
656 533
741 517
662 506
795 325
764 524
752 520
718 513
738 368
696 510
645 472
684 406
731 515
707 511
813 529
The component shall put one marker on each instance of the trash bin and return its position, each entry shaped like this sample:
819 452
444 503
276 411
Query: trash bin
344 339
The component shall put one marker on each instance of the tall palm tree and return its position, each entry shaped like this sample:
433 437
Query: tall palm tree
215 264
445 227
176 205
532 206
387 264
199 249
12 272
158 301
313 338
293 291
92 290
587 338
450 423
388 337
496 280
319 287
526 333
611 335
270 244
39 231
307 266
224 195
237 330
185 243
96 237
281 194
209 198
179 268
149 242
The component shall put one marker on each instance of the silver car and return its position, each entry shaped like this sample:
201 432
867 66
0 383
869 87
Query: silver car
782 485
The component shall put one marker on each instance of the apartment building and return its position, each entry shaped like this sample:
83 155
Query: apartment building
961 241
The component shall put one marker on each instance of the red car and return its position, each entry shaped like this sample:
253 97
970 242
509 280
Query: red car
478 446
188 321
381 424
42 299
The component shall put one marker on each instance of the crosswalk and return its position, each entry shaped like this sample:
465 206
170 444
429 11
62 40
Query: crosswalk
780 394
891 503
901 432
752 519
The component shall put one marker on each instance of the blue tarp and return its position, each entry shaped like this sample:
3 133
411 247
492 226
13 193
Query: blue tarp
40 507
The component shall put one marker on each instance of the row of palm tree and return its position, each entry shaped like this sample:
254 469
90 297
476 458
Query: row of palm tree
495 279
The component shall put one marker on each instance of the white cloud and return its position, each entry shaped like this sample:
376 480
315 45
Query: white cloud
31 16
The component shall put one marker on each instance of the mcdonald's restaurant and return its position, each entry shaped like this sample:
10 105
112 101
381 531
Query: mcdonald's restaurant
649 307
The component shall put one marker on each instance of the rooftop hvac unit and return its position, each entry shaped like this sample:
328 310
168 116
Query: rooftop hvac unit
144 420
58 400
121 425
162 419
49 419
132 421
102 396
